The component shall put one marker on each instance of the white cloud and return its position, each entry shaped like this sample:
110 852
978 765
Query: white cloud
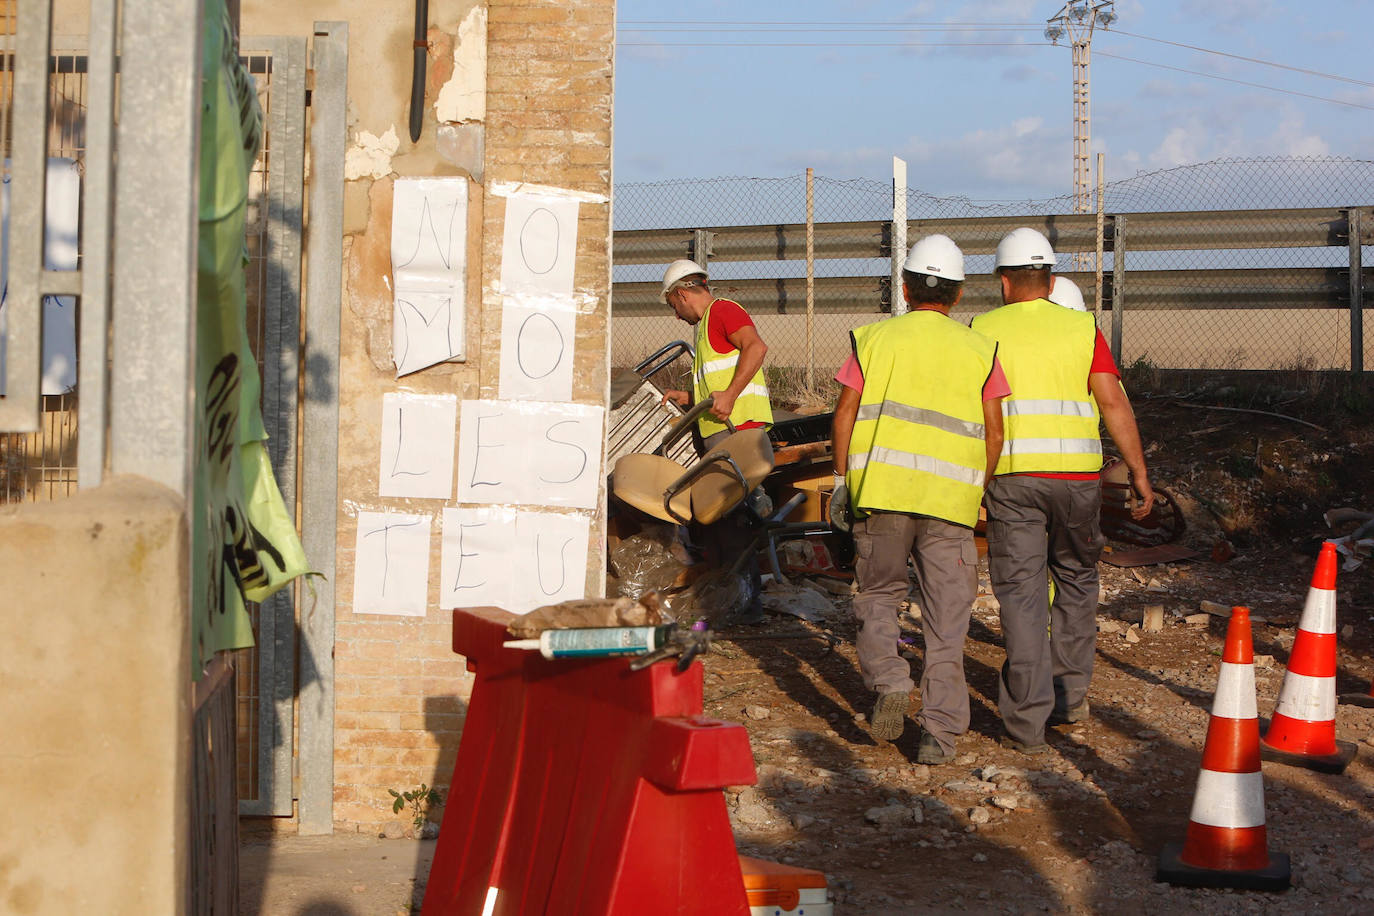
1291 138
1180 146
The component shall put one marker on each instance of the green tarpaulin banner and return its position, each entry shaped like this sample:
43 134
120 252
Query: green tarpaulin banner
244 544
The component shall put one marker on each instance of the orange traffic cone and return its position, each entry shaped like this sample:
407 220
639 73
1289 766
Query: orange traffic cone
1226 845
1303 730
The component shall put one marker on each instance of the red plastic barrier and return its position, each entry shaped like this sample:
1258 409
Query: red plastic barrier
583 787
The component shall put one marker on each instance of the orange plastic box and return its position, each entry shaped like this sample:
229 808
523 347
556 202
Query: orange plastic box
781 890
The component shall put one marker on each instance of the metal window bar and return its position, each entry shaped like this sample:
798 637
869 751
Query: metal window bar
43 464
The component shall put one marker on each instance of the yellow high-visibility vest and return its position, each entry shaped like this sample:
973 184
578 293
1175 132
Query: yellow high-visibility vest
713 371
1051 418
918 444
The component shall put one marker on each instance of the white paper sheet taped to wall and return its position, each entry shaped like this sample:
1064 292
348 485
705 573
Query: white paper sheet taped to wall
539 246
530 453
429 271
512 558
418 434
391 564
537 337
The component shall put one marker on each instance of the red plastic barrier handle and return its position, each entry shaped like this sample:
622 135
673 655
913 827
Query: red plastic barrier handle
696 753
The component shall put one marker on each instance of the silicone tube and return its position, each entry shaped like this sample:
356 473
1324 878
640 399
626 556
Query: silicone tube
595 642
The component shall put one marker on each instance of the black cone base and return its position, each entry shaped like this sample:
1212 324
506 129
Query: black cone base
1327 763
1274 878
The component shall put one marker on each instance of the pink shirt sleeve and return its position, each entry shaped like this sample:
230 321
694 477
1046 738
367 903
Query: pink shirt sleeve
850 375
996 386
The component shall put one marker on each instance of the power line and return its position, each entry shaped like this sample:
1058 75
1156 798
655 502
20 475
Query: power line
830 30
1227 79
1252 60
817 22
724 26
832 44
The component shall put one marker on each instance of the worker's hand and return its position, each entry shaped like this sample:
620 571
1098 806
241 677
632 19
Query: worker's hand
1141 485
680 398
839 506
724 403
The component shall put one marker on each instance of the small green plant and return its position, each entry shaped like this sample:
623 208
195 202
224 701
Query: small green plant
420 800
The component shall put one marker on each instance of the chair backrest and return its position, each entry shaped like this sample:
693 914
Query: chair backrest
718 489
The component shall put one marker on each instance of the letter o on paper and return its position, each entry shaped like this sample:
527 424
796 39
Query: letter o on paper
545 349
539 241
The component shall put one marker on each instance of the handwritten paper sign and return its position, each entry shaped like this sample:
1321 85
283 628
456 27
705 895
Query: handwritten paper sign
418 432
429 268
537 349
513 559
391 564
530 453
539 245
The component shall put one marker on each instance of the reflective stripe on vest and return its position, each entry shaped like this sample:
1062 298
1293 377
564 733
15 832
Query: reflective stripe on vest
916 462
713 371
918 444
1046 352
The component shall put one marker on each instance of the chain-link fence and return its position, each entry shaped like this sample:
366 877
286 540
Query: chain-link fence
1201 286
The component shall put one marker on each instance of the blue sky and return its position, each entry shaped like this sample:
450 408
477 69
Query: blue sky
987 122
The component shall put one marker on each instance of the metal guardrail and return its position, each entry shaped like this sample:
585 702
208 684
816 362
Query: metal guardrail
1300 286
1241 288
1200 230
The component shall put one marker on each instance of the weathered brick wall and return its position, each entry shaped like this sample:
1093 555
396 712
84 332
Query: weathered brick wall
401 693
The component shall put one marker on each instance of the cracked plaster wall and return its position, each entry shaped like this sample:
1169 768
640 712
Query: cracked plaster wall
515 91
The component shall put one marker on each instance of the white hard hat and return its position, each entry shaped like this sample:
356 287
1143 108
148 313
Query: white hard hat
936 256
1065 292
677 271
1024 248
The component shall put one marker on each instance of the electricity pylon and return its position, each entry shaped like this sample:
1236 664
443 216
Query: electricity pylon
1077 19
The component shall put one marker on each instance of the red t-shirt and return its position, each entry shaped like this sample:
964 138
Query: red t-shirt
726 317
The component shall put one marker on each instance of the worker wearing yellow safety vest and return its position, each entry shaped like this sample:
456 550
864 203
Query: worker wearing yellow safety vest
916 433
1044 502
727 361
727 365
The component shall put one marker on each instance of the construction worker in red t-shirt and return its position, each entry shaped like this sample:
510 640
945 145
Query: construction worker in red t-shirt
727 361
1045 501
727 365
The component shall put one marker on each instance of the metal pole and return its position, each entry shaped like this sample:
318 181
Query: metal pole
1101 229
22 402
898 233
92 380
154 303
701 247
1356 293
320 443
1118 282
810 280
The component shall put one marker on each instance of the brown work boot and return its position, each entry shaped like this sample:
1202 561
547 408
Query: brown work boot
930 753
1034 750
889 716
1070 716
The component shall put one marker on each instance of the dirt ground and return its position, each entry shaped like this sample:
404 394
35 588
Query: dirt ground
1078 829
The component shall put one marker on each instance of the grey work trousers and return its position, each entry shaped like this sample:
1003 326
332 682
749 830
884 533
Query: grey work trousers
947 574
1038 525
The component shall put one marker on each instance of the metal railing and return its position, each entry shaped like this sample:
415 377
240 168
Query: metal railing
1270 286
